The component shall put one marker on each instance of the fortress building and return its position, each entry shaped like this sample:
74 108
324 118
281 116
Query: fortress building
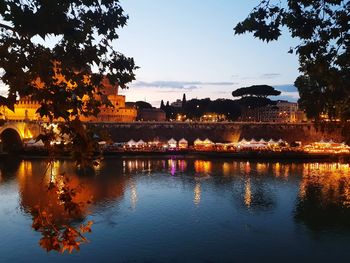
25 108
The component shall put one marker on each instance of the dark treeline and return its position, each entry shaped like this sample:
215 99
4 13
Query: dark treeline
250 97
195 108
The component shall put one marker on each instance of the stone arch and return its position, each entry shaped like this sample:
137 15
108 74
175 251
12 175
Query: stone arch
11 139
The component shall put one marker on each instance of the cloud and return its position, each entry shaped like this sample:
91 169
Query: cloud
270 75
179 85
171 90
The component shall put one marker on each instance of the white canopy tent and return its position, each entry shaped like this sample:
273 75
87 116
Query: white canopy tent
198 142
34 143
141 143
172 143
183 143
131 143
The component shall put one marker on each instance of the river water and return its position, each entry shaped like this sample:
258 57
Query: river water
182 210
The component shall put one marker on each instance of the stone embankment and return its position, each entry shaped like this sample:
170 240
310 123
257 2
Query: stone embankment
226 131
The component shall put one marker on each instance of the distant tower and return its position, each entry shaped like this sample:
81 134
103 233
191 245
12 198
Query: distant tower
162 105
167 104
183 100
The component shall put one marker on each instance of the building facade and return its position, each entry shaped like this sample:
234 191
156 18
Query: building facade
26 109
283 111
151 115
177 104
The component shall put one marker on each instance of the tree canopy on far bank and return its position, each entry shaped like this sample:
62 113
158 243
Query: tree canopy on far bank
262 91
255 96
323 31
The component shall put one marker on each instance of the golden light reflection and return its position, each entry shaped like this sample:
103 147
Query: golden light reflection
247 168
226 169
197 194
277 169
332 181
133 195
25 169
261 168
244 167
247 193
203 166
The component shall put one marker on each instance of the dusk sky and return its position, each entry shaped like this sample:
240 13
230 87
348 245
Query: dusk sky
189 47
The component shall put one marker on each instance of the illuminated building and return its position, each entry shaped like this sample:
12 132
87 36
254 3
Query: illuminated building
26 108
205 145
176 104
283 111
213 117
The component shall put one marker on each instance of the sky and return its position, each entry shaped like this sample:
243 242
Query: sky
188 46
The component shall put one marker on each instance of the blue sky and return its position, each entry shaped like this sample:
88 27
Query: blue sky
188 46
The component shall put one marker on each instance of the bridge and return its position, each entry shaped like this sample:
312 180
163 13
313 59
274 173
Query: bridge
14 133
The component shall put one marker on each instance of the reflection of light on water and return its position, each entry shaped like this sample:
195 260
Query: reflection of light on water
277 169
332 181
172 166
53 171
247 168
247 193
202 166
261 168
133 196
244 167
286 171
182 164
25 169
226 168
197 194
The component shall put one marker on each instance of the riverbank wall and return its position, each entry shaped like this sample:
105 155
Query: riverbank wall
226 131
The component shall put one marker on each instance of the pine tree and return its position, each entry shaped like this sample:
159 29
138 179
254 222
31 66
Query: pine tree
162 105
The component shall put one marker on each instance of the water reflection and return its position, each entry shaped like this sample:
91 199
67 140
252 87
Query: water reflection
33 181
59 200
248 194
324 196
197 194
319 192
133 195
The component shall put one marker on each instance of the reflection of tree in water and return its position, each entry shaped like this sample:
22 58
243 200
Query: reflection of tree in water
60 203
57 234
324 197
8 168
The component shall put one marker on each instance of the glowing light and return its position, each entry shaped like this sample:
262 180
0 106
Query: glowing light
133 196
197 194
248 194
202 166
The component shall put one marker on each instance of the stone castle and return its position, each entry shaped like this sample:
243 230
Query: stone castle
26 109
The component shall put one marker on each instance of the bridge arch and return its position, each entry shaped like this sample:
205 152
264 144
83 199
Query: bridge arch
11 139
